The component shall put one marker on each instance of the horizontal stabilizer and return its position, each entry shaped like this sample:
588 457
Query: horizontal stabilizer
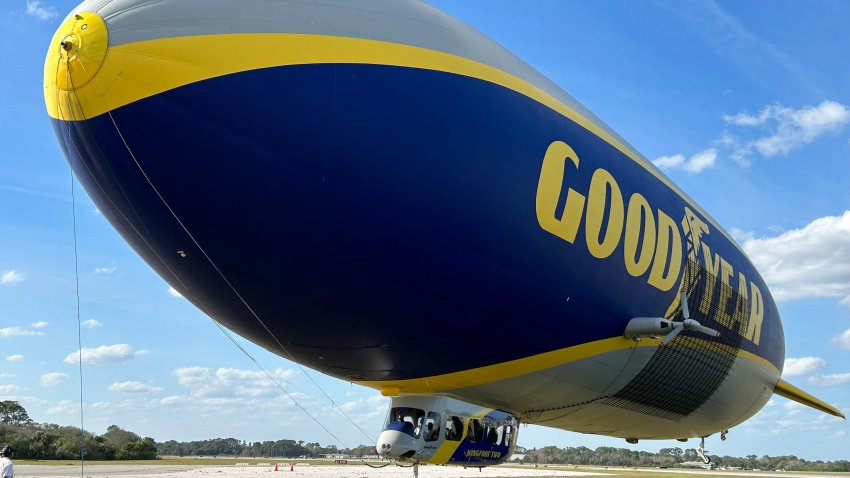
785 389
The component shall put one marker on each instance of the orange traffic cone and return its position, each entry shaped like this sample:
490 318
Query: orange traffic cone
275 467
292 467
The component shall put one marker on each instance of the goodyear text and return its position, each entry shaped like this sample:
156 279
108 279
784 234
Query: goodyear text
654 244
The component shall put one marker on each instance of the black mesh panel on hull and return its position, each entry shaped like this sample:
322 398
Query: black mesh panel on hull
680 377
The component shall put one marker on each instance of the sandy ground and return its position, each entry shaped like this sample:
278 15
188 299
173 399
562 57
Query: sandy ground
349 471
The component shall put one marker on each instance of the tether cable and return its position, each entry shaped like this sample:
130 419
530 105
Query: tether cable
274 380
79 324
226 280
69 133
76 256
263 369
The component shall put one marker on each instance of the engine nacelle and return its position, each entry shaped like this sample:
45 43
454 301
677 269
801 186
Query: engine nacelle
443 430
647 327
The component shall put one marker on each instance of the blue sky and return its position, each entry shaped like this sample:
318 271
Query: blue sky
745 105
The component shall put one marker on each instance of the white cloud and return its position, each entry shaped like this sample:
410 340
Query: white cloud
42 12
18 332
105 270
10 389
789 417
366 404
11 277
52 379
64 407
222 395
231 382
822 423
14 358
695 164
173 292
191 375
829 380
366 411
104 354
133 387
91 323
701 161
38 325
813 261
744 119
842 340
669 162
741 235
174 400
778 129
794 367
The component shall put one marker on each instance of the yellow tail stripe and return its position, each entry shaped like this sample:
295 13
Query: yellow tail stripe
785 389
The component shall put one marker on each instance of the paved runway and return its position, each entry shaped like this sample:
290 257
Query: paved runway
101 470
349 471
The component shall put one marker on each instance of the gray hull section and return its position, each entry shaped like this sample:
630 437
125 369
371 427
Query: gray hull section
576 397
407 22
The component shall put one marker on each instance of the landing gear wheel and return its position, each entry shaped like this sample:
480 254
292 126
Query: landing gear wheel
702 452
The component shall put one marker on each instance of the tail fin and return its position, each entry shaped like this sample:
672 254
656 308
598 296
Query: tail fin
785 389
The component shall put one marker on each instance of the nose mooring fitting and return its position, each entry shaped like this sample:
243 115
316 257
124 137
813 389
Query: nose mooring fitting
83 40
69 42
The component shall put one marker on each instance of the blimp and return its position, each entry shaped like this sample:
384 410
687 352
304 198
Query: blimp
493 251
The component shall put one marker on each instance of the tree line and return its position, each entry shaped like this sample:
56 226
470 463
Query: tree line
271 449
46 441
671 457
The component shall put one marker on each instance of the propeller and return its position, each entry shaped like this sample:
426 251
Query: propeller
687 324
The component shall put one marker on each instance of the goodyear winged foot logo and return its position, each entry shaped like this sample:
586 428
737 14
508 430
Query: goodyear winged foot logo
652 241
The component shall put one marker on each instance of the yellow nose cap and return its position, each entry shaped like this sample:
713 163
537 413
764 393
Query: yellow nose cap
77 51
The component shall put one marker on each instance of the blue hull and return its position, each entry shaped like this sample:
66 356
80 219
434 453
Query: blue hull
347 222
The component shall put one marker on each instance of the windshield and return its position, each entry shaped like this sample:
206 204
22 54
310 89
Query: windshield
406 420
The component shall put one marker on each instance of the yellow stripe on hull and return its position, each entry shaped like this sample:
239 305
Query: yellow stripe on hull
524 366
135 71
